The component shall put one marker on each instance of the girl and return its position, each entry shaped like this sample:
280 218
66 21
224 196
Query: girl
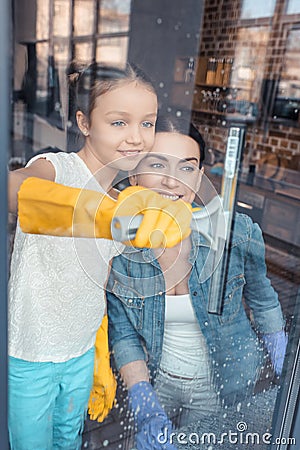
55 308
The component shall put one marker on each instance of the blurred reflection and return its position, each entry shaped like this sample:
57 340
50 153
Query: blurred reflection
43 21
84 13
112 50
253 9
287 101
114 16
83 51
61 30
293 7
61 18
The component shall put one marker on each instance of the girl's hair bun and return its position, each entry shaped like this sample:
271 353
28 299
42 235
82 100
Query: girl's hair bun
74 71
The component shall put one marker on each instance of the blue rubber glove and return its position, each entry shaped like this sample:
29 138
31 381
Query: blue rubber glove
153 426
275 344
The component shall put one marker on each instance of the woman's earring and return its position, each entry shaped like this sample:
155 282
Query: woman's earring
85 132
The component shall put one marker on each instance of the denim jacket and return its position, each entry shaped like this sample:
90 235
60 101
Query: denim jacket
136 309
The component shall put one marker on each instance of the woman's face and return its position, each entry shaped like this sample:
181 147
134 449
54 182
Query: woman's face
171 168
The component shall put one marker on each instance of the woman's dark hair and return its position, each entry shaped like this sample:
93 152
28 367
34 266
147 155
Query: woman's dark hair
88 83
170 124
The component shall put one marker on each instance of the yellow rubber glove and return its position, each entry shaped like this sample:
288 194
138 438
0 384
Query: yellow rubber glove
49 208
102 396
45 207
165 222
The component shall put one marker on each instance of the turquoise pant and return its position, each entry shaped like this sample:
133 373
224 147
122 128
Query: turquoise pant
47 402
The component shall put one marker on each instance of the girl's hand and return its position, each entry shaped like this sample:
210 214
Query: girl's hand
165 223
102 397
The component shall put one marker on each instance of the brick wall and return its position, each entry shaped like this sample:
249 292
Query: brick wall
225 35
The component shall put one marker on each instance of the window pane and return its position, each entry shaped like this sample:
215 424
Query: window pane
61 19
83 52
253 9
112 50
249 62
269 188
291 68
293 7
61 52
42 20
83 17
114 16
287 102
42 52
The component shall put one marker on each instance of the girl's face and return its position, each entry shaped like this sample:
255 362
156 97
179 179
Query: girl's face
171 168
121 127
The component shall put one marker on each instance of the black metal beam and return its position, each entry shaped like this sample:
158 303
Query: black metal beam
5 128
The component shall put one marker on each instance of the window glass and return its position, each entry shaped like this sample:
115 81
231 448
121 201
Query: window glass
83 17
112 50
42 20
290 79
287 101
114 16
249 62
209 58
293 7
83 51
254 9
42 51
61 18
61 51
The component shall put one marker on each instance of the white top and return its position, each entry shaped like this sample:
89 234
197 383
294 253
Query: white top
184 351
56 299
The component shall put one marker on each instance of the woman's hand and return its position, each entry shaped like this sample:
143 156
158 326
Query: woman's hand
275 344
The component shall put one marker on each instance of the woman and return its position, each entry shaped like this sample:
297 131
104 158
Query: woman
178 361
